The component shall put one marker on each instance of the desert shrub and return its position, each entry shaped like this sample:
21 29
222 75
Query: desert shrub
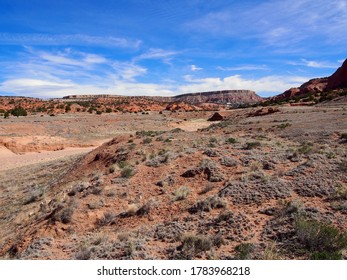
231 140
145 208
156 161
108 110
147 140
18 111
177 130
211 152
252 145
272 252
131 211
319 239
284 125
64 215
123 236
207 205
212 142
244 251
148 133
79 187
106 219
83 253
305 148
343 136
98 112
96 189
340 193
226 216
127 172
112 169
209 187
194 244
343 165
122 164
181 193
35 193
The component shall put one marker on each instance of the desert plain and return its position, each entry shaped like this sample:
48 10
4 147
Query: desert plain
261 183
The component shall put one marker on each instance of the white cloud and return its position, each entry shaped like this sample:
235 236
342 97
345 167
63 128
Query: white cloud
56 74
315 64
267 85
63 39
160 54
56 87
94 58
128 71
195 68
60 88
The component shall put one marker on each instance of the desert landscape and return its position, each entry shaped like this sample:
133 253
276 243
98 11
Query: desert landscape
177 179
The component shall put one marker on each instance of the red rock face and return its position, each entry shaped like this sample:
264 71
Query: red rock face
339 78
335 81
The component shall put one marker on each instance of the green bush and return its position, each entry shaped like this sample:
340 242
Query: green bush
231 140
127 172
18 111
244 251
284 125
305 148
252 145
319 239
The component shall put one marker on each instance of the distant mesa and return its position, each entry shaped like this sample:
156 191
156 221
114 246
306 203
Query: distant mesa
221 97
231 97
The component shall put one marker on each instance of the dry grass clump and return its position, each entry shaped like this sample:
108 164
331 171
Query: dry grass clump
208 204
106 219
181 193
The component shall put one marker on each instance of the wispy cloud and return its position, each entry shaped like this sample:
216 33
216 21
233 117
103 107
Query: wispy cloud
286 23
195 68
315 64
244 68
153 53
128 71
59 73
72 40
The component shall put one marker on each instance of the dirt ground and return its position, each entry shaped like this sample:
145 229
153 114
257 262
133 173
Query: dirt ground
68 191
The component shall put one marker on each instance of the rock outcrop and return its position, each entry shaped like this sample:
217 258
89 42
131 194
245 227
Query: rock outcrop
338 80
221 96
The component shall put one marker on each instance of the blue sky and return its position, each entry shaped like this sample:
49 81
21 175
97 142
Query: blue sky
148 47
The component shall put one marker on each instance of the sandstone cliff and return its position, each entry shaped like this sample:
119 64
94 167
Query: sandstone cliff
336 81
